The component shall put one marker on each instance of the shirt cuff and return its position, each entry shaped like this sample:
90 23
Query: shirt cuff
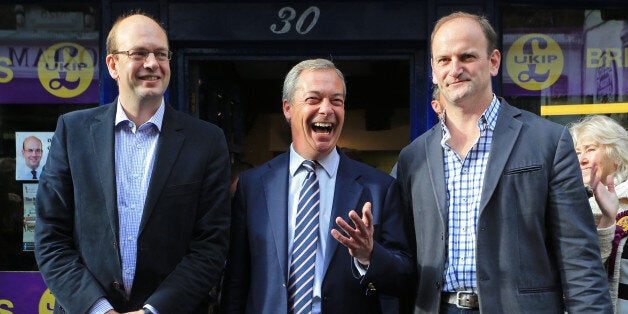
151 308
101 306
361 269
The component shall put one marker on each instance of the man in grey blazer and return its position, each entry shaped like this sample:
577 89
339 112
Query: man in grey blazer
501 217
133 204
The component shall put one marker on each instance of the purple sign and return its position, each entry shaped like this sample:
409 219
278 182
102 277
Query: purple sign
566 62
52 72
24 292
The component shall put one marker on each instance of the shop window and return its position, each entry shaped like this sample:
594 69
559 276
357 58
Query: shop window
49 60
566 63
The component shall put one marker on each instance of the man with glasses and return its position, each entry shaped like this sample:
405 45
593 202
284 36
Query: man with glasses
133 204
32 152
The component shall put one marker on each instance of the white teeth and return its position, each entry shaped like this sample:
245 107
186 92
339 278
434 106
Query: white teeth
322 125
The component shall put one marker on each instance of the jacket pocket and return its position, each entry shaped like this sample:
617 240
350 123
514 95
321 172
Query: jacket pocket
538 290
523 169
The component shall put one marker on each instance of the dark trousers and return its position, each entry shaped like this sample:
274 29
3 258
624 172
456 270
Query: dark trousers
446 308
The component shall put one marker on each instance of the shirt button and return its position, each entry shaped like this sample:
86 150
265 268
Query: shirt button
128 271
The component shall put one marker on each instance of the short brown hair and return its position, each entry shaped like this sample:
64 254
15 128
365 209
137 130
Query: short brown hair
487 29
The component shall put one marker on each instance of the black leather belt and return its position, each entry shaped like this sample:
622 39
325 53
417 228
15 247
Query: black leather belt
462 299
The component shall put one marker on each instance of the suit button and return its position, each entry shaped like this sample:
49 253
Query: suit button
117 285
371 286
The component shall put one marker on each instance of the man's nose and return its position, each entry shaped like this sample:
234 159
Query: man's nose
455 68
151 61
326 107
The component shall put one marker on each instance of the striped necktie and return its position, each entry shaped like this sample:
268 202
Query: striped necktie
301 279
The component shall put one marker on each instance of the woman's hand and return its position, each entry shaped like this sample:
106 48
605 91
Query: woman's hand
605 197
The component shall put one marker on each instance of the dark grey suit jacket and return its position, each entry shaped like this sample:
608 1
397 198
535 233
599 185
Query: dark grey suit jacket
537 249
257 269
183 234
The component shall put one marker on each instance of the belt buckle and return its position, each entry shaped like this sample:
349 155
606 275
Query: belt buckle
466 300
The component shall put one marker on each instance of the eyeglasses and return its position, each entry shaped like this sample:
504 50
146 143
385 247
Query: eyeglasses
36 151
142 55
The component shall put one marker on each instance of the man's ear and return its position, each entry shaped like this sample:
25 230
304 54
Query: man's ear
112 66
495 61
286 110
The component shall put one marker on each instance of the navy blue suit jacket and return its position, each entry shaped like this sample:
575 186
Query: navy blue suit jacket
183 235
257 268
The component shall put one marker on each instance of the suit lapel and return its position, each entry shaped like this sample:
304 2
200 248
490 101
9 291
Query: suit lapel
102 132
347 193
435 161
506 132
275 183
168 147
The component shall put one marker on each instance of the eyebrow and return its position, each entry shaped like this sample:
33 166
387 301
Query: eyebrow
318 93
589 145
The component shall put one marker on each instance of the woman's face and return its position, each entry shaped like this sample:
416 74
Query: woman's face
590 152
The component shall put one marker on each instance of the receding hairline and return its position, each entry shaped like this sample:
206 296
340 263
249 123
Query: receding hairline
112 38
488 32
30 138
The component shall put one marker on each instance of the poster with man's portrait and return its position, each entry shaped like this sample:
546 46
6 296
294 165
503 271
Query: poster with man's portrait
31 151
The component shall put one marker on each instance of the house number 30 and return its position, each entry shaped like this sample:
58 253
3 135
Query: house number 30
287 16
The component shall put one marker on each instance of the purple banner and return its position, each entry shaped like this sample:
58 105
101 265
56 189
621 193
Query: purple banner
567 62
49 72
24 292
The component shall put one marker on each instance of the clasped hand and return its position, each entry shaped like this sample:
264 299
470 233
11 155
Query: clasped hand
605 196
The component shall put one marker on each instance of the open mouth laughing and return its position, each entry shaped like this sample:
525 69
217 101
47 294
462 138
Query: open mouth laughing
322 127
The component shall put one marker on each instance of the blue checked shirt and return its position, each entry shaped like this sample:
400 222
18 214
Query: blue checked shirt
464 180
134 156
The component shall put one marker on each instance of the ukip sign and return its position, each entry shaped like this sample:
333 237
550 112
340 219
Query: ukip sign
62 72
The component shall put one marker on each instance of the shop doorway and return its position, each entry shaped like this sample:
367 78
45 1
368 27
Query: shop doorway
243 97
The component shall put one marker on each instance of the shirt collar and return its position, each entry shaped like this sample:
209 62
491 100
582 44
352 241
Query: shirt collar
329 163
489 116
157 119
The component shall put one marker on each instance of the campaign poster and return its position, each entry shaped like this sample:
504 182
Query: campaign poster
31 151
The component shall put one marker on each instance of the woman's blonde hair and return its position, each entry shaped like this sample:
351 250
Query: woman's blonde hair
609 133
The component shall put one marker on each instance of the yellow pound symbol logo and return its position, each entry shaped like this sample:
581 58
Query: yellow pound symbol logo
535 62
46 303
66 69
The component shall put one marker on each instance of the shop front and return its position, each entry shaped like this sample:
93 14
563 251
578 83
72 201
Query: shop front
561 60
